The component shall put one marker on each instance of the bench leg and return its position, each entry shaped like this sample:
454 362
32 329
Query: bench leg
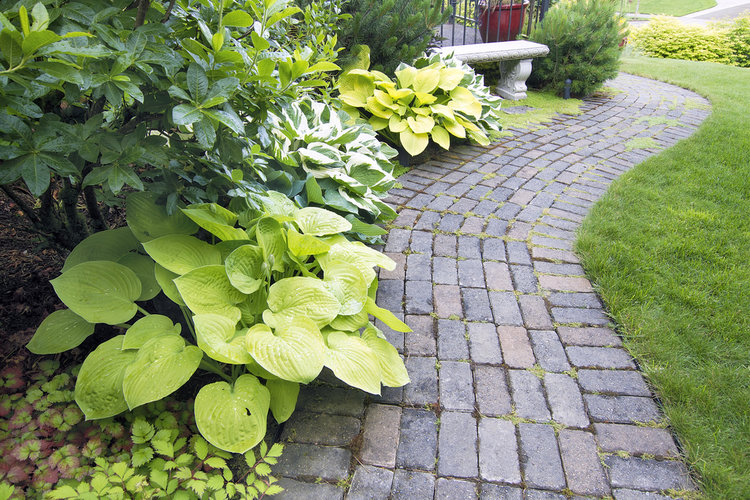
512 82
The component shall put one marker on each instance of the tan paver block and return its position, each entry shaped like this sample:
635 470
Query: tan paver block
514 341
565 283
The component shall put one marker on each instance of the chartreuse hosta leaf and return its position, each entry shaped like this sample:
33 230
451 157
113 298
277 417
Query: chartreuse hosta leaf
143 267
414 143
283 398
319 222
215 219
233 418
181 253
148 219
352 361
218 337
300 296
450 78
99 291
393 371
347 283
60 331
165 279
147 328
207 289
356 86
463 100
104 245
163 364
441 137
294 351
356 253
245 268
98 391
271 241
386 316
350 322
304 244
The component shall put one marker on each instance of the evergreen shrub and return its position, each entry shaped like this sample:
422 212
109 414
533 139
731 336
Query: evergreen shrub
395 31
584 38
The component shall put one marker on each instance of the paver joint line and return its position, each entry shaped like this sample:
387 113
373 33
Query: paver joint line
517 379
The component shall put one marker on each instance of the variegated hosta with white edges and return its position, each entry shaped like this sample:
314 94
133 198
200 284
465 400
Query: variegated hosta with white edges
269 298
435 99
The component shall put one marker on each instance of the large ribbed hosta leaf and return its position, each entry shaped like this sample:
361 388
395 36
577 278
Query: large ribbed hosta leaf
215 219
303 297
283 398
147 328
148 220
386 316
163 364
348 285
303 245
294 351
99 291
244 268
208 290
60 331
220 339
350 323
181 253
392 369
320 222
166 279
352 360
233 418
143 267
271 242
98 389
104 245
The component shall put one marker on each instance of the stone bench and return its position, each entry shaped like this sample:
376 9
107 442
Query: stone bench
514 58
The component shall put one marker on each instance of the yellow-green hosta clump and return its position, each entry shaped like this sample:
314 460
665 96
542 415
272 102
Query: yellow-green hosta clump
426 103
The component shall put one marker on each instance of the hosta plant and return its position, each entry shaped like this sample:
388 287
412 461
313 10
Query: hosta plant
267 304
431 101
321 159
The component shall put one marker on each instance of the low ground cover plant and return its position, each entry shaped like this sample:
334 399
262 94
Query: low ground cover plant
435 99
585 38
726 43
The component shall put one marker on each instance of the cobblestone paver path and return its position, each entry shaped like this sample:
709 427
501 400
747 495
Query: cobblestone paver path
520 389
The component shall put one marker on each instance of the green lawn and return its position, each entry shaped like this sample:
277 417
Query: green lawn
667 7
669 249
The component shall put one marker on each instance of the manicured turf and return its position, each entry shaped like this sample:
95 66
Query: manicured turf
667 7
669 249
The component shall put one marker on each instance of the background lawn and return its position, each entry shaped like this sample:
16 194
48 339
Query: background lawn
669 249
668 7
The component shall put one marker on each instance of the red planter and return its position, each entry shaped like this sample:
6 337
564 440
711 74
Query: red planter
502 23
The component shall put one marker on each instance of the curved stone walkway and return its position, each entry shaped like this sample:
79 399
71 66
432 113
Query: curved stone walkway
520 388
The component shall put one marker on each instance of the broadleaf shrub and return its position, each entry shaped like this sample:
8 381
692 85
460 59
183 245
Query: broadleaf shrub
395 30
585 39
725 43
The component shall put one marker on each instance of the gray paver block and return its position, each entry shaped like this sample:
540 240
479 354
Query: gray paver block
636 440
514 342
398 240
471 273
549 351
421 340
528 395
579 315
493 397
444 271
333 400
380 436
484 343
395 338
423 386
493 249
496 492
456 385
476 304
621 409
518 253
370 483
543 495
390 294
498 451
625 494
315 428
540 457
451 340
417 447
310 460
505 308
565 400
469 247
524 278
600 357
613 382
418 267
445 245
457 445
418 297
453 489
589 336
583 469
534 312
421 241
640 474
399 272
294 490
412 485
